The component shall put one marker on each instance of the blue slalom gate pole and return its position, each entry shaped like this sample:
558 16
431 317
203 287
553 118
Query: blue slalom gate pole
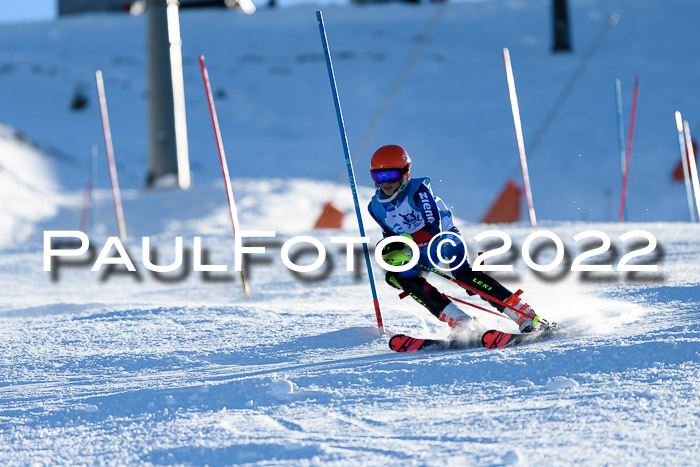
620 128
348 161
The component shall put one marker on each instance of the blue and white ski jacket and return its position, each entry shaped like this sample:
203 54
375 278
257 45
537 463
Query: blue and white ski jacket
416 211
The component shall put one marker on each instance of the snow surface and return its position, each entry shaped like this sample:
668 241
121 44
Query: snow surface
117 368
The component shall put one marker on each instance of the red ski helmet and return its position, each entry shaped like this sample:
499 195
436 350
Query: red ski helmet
391 156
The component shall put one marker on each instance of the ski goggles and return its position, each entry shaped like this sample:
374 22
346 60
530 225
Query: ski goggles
386 176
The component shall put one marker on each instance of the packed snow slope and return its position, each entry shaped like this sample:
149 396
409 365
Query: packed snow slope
110 367
100 367
450 111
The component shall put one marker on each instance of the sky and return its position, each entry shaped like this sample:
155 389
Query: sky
34 10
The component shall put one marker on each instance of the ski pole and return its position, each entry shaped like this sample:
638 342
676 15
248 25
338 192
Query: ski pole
348 161
405 294
500 315
468 287
476 291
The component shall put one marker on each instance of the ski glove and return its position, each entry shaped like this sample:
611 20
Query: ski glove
397 253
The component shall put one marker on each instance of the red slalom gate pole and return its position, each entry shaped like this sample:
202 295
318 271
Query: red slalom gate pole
629 149
224 164
102 98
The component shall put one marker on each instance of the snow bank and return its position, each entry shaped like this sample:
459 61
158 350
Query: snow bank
28 191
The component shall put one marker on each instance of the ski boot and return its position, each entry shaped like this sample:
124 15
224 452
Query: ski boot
522 314
465 329
453 315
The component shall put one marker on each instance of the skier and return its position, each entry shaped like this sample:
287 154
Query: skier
405 206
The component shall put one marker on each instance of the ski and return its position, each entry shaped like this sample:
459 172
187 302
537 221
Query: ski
491 339
404 343
494 339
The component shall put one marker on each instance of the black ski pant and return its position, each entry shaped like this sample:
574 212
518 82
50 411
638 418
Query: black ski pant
435 301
